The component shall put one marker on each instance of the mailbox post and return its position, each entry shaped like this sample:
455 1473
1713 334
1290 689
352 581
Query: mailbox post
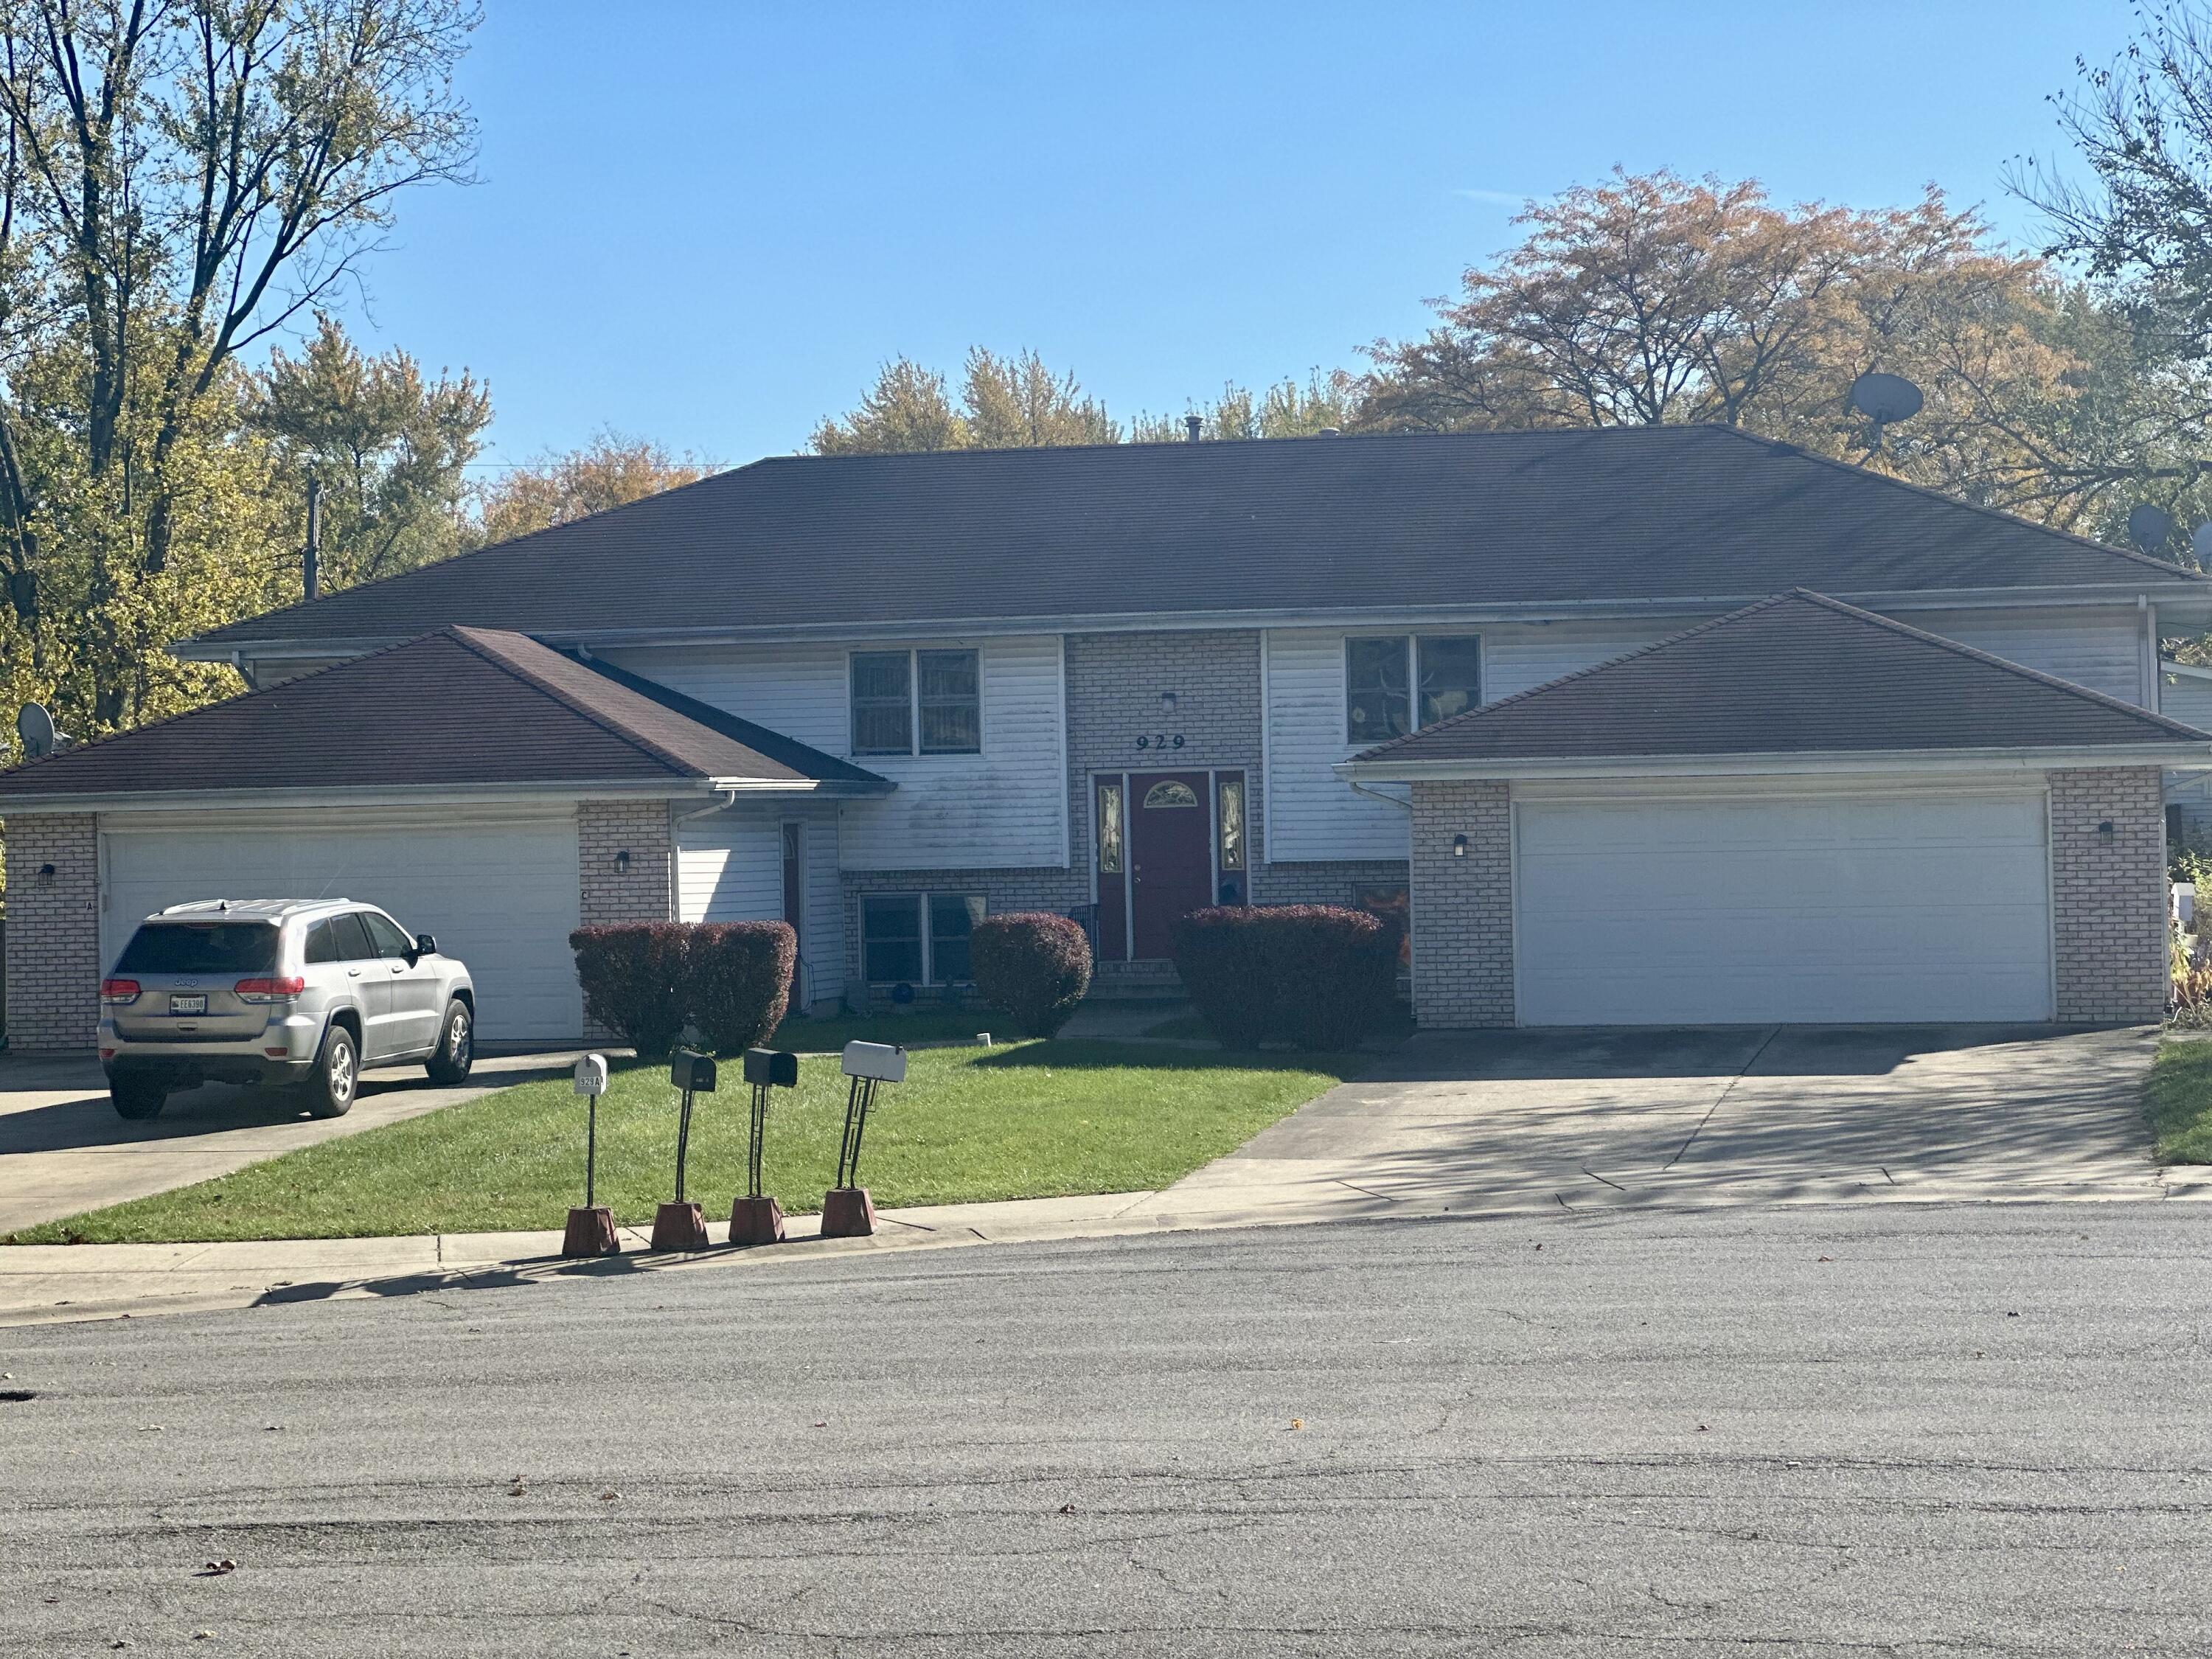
592 1229
847 1211
682 1225
755 1219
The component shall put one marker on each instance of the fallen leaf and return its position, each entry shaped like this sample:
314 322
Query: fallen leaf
202 1636
1067 1508
1828 1258
216 1569
1704 1429
609 1497
1298 1422
821 1423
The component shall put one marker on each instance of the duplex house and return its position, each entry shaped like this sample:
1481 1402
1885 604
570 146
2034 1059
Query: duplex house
1643 725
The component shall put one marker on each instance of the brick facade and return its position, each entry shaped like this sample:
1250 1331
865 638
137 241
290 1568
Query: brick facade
53 931
1462 906
2108 893
646 891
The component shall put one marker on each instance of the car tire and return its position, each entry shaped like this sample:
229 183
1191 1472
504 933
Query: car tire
329 1089
137 1098
457 1046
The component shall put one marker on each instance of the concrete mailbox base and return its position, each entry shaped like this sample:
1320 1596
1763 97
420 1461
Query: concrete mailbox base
756 1221
847 1214
590 1232
679 1227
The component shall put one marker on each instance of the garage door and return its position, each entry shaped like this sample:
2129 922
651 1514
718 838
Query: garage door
1809 909
499 894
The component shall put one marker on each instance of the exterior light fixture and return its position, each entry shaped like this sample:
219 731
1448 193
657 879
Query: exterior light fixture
46 873
2105 828
1459 846
1167 702
622 862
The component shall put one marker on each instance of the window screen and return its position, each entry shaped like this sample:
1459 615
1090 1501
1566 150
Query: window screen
1377 706
883 705
952 703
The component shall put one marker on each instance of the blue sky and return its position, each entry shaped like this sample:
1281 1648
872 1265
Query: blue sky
708 223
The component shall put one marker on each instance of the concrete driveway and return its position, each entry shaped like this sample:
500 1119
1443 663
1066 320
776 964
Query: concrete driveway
1607 1118
63 1149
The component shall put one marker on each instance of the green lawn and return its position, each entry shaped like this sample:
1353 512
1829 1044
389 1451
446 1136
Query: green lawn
1028 1120
2178 1103
829 1036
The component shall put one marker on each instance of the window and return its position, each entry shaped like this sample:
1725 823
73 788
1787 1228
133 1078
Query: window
384 933
952 918
898 694
1379 673
200 947
1375 704
1171 794
1452 675
1231 812
917 938
952 703
882 703
1109 828
352 937
322 944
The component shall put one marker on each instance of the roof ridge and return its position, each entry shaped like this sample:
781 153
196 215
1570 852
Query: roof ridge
474 638
1481 709
2134 555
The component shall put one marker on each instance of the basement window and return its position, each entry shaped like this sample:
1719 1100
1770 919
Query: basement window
918 938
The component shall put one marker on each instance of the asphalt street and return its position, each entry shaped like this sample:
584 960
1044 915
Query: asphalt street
1900 1430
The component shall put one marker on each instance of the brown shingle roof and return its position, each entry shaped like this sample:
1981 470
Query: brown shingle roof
460 707
1796 674
1148 530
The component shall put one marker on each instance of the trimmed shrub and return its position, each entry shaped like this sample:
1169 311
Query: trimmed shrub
633 976
1032 966
1315 975
738 977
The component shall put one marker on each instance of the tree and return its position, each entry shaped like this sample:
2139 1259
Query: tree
386 445
180 178
608 472
1005 403
1287 409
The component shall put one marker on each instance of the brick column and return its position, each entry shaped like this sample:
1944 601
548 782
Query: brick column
1462 906
53 931
646 891
2108 893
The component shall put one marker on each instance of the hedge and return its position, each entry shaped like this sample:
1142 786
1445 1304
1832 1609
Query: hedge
1032 966
1315 975
645 980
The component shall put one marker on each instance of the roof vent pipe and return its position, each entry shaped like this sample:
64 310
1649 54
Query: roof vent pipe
1193 424
311 574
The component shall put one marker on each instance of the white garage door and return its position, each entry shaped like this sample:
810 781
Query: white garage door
1722 910
499 894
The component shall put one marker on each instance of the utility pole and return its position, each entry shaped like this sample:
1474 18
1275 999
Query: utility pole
311 563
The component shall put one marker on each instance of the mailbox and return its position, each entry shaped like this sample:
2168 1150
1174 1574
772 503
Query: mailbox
592 1075
693 1073
882 1062
771 1068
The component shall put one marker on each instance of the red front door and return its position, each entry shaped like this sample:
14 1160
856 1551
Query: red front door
1171 856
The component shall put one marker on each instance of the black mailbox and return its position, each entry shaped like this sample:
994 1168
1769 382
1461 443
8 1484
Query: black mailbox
772 1067
693 1073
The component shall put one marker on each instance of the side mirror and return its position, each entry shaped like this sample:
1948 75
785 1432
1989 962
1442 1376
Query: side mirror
425 945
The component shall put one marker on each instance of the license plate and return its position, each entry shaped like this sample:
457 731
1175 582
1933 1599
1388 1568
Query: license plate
188 1005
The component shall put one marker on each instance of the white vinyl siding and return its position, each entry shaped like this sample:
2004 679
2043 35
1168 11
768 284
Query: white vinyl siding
2104 648
1744 907
1005 808
500 892
729 868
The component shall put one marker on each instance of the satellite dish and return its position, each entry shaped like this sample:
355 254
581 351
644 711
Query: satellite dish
36 728
2150 528
2200 544
1885 397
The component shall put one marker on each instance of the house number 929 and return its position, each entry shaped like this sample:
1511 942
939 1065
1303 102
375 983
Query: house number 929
1161 740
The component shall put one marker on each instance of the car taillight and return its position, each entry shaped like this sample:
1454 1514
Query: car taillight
119 990
269 990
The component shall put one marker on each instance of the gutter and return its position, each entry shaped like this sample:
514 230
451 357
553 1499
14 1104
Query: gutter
1358 788
2180 755
441 794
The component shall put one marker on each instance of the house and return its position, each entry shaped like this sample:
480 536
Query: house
881 696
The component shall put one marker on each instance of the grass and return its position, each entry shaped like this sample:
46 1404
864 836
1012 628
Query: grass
2178 1103
1028 1120
1182 1025
829 1035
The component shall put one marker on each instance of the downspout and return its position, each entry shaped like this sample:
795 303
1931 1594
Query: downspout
1403 802
676 854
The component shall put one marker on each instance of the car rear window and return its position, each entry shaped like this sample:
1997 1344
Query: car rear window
200 947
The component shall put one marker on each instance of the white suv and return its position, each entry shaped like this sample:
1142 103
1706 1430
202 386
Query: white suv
303 994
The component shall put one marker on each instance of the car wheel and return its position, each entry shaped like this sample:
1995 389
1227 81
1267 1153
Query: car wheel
137 1098
457 1046
337 1080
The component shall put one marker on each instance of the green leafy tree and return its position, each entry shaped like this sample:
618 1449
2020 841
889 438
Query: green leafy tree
1017 403
907 410
1288 409
608 472
387 444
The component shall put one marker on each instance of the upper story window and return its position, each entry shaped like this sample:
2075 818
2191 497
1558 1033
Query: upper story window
1381 673
897 695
